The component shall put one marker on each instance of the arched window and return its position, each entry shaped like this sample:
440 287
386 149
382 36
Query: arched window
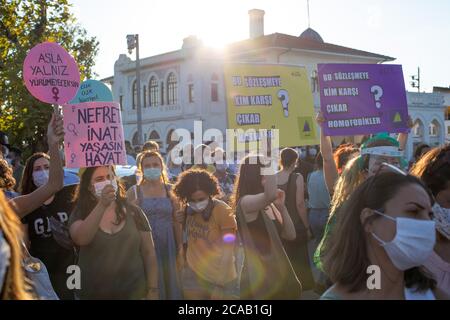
418 128
153 96
172 87
134 96
433 128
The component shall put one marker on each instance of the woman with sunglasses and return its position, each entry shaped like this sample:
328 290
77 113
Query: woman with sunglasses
376 248
434 170
375 151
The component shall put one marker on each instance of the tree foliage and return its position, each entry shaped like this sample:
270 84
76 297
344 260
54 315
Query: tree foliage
24 24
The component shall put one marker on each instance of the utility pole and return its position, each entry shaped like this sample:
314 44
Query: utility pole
133 43
415 83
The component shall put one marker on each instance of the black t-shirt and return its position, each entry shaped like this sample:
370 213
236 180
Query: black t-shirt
112 264
42 244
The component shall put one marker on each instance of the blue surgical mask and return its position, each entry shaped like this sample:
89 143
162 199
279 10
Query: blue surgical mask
152 173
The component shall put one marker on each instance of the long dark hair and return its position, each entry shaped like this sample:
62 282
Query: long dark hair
249 178
346 259
85 201
27 184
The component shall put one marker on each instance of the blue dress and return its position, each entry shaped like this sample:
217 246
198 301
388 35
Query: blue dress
159 214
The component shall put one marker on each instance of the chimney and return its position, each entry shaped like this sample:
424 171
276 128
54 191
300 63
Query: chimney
256 23
191 42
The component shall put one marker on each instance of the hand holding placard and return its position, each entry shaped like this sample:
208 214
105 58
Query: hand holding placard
55 130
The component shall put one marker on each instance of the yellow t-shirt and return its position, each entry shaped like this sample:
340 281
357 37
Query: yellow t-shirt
206 246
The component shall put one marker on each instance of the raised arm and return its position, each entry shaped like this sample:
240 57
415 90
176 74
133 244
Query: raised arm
83 231
28 203
287 227
256 202
403 136
326 148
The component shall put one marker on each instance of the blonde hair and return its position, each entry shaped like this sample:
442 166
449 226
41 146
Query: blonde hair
148 154
15 287
352 176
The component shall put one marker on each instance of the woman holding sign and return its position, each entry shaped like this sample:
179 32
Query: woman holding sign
28 203
46 227
153 195
117 257
375 151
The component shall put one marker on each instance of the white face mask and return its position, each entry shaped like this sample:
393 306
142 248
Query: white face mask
199 206
413 243
99 186
40 177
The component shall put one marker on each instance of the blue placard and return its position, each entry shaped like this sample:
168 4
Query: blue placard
92 90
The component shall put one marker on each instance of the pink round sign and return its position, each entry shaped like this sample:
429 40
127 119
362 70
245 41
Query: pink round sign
51 74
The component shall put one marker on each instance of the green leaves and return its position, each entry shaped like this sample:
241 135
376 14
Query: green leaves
24 24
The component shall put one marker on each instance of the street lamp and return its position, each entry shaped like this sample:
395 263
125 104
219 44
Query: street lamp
415 83
133 43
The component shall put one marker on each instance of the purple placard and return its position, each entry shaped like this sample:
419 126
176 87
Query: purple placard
360 99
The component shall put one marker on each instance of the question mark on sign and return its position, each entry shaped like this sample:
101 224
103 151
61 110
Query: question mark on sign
377 92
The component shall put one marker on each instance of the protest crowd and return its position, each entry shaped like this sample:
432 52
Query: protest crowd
205 222
224 230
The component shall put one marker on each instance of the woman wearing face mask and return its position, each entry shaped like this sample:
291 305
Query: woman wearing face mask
210 271
153 196
375 249
378 149
263 218
39 225
117 258
434 170
27 203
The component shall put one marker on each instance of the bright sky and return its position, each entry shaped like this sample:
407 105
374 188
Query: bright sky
416 32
